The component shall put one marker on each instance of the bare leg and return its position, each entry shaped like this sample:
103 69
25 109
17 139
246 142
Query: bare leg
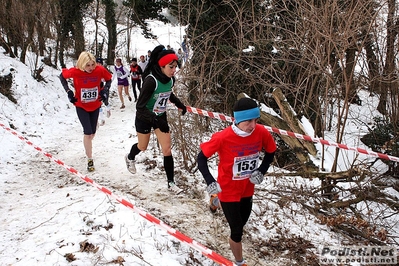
165 142
236 248
120 94
87 143
143 140
127 91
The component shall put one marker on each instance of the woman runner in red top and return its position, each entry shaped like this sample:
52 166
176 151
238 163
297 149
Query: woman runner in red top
135 74
87 96
238 147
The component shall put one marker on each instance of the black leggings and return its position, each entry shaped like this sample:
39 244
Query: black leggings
237 215
88 120
134 83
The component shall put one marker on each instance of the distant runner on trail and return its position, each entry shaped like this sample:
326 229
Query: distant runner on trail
135 74
121 73
151 110
238 147
87 77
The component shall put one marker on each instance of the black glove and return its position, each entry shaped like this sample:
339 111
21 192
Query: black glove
181 106
162 125
104 93
71 97
183 110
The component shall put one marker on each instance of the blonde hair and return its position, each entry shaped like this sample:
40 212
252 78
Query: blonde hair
84 58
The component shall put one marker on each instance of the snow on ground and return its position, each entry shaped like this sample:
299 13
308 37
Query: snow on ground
50 216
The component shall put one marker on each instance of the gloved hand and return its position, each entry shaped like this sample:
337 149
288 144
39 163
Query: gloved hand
183 109
181 106
162 125
213 188
71 97
104 93
256 177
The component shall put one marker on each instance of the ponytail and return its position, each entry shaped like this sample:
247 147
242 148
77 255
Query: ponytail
153 62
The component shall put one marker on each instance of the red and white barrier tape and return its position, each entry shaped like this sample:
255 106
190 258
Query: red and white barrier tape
173 232
296 135
210 114
183 238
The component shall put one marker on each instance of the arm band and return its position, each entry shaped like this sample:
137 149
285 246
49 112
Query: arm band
267 160
202 161
64 83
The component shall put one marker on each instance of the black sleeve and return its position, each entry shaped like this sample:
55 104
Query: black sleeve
147 89
108 84
202 161
139 70
267 160
176 101
64 82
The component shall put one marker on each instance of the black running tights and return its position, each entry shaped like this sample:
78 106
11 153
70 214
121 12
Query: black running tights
237 215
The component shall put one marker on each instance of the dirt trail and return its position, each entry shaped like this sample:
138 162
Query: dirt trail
188 212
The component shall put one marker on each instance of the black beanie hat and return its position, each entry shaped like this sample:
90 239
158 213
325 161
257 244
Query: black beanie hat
244 104
134 59
245 109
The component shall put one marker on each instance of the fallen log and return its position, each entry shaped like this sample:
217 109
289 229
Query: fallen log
347 176
296 146
289 122
291 119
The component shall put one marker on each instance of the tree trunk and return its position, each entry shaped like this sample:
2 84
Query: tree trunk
389 86
110 20
292 121
79 37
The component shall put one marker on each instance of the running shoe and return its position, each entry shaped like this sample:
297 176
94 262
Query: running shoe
173 188
130 164
90 165
242 263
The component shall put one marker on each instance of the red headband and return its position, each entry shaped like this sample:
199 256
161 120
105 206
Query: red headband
166 59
